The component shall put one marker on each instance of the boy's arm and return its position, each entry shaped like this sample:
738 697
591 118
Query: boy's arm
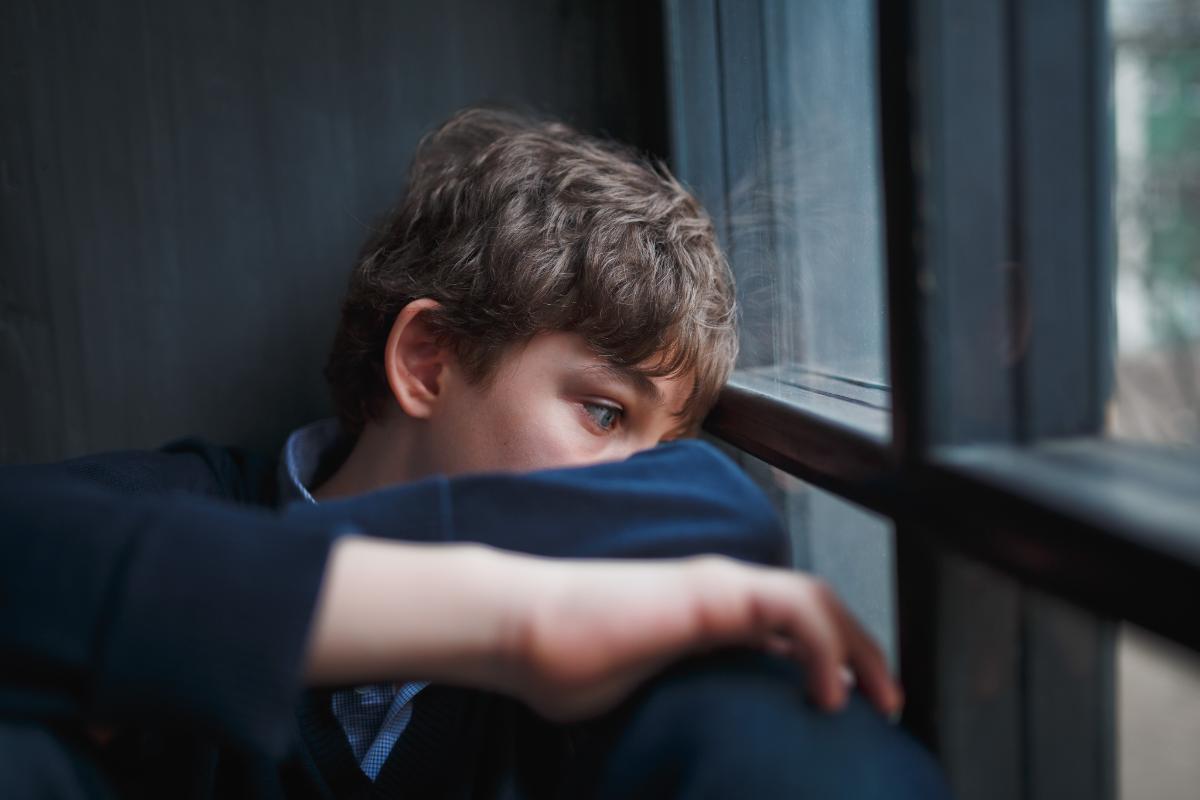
572 637
179 609
676 500
124 606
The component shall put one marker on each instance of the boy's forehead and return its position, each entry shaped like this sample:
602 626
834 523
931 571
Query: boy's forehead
643 385
570 351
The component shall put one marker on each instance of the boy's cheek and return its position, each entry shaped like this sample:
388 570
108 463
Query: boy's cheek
516 438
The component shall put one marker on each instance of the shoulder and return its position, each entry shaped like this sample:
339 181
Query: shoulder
190 465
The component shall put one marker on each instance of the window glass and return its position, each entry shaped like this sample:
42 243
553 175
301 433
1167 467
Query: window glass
774 126
850 548
1156 88
823 153
1158 717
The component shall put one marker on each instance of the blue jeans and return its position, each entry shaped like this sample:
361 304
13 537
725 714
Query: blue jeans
736 725
729 725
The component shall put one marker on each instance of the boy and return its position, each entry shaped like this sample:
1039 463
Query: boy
539 300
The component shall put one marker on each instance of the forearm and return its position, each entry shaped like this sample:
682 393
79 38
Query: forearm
569 637
390 611
126 601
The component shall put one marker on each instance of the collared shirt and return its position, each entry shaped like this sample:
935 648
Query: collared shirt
373 717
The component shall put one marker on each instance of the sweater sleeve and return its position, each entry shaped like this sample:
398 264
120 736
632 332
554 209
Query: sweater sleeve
675 500
173 607
168 609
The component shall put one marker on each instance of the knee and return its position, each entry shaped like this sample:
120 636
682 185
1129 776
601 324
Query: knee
738 725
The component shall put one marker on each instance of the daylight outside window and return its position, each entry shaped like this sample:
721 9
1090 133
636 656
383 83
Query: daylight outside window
1156 111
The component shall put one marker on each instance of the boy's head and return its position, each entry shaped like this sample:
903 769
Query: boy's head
531 270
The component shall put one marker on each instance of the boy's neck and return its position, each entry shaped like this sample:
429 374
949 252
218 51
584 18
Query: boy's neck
383 455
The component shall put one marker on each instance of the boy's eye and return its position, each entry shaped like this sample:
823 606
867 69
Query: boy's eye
605 416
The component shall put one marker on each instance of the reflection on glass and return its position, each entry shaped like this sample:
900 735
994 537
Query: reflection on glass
774 110
822 145
803 231
1156 83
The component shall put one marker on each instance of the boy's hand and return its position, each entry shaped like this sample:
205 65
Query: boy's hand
589 632
572 638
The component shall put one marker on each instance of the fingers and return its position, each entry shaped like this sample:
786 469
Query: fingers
791 615
870 666
827 651
799 624
808 622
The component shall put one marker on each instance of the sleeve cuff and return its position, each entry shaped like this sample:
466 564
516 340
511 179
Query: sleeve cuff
211 623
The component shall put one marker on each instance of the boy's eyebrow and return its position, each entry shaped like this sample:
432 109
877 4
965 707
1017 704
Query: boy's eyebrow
629 376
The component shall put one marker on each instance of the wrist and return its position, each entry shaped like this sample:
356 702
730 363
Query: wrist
513 591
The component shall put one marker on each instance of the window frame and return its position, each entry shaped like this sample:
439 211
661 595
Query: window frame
1004 103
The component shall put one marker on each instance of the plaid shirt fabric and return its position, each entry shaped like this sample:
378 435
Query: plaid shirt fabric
372 717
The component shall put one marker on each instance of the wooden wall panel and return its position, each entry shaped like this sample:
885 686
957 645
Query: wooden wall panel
183 187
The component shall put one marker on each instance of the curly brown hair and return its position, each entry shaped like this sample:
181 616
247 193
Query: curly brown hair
518 226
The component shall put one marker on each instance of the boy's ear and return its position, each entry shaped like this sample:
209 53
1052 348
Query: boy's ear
415 360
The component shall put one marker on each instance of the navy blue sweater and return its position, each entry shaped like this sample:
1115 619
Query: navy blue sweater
162 591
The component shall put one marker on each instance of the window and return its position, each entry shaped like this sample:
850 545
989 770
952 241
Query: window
776 109
851 548
918 201
1156 81
1156 396
779 138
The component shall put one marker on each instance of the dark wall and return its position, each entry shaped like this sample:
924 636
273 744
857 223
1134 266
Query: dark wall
184 187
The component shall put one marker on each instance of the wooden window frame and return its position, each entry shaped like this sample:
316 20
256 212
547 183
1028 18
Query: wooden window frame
995 146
